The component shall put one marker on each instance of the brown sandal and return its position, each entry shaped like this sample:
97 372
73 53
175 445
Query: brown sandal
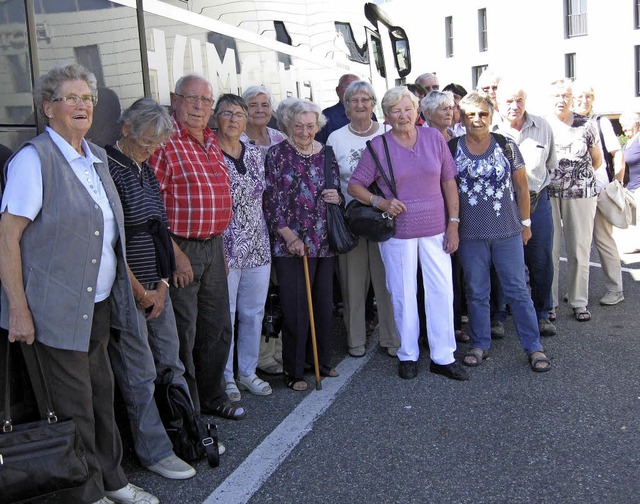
474 357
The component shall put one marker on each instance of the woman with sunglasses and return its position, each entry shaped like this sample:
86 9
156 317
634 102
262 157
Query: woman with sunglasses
494 224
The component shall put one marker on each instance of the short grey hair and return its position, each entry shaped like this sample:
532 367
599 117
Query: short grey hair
394 96
145 114
629 119
360 87
191 77
425 77
291 108
437 99
564 84
475 99
253 91
48 85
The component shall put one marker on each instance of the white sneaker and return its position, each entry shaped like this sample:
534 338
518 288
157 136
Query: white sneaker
173 467
131 494
612 298
254 385
104 500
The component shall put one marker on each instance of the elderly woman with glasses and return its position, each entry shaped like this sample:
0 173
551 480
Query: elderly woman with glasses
572 193
363 265
426 213
260 109
494 224
246 243
295 203
139 362
63 268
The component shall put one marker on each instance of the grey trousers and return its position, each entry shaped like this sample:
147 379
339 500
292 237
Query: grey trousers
203 321
81 387
137 364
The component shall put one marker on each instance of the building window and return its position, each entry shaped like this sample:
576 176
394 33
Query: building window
636 14
448 30
576 16
636 51
570 65
482 30
476 72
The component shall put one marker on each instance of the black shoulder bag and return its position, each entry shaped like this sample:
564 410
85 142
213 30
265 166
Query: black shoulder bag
368 221
341 239
43 457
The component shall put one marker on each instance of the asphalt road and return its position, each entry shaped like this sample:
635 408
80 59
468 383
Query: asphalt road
507 435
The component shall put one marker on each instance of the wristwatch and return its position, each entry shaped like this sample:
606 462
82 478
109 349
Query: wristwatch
526 222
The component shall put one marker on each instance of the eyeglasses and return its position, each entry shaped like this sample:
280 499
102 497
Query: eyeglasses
486 89
193 99
482 114
154 144
360 101
238 116
446 109
74 100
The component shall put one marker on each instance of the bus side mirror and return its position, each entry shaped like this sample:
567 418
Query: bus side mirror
401 52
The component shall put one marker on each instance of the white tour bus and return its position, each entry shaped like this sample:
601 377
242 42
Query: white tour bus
140 48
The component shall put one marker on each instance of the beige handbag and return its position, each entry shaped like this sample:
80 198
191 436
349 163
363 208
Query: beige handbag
617 205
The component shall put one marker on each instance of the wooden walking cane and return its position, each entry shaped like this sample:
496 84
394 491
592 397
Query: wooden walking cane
314 345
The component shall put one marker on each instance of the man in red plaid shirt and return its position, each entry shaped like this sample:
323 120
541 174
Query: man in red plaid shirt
195 187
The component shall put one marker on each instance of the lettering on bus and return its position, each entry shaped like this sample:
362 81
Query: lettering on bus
259 66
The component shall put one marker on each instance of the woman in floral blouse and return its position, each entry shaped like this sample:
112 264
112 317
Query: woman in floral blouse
246 245
494 224
295 209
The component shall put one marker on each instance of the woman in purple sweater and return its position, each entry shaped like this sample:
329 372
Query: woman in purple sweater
426 232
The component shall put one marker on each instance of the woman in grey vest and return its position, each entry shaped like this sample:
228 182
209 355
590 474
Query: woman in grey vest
63 267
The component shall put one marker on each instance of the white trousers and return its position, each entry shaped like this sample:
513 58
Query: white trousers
400 257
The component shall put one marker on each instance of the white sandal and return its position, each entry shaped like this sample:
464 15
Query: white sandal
232 391
254 385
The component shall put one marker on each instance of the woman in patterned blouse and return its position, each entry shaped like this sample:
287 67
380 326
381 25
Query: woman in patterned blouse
246 244
295 209
573 194
494 224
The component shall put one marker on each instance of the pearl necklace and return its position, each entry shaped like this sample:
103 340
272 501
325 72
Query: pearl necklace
302 154
353 130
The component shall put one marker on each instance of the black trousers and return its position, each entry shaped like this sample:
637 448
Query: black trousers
296 344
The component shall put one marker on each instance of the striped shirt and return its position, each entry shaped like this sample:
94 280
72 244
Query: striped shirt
194 184
535 141
141 201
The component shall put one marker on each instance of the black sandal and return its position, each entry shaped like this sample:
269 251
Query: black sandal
299 385
227 410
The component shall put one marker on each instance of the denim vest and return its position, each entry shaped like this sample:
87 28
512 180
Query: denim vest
61 252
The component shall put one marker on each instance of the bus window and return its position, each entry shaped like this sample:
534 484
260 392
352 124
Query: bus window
356 53
282 35
102 36
16 102
378 57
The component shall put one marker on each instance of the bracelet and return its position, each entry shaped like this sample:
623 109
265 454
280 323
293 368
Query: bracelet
164 281
371 199
454 219
292 242
375 203
142 297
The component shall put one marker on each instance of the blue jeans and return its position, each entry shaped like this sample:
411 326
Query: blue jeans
507 257
137 362
538 256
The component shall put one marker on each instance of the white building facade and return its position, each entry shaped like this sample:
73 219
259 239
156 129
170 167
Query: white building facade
597 41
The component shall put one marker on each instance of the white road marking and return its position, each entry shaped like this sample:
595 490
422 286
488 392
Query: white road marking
247 479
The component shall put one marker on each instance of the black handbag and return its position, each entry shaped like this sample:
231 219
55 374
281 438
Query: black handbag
368 221
39 458
341 239
272 320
